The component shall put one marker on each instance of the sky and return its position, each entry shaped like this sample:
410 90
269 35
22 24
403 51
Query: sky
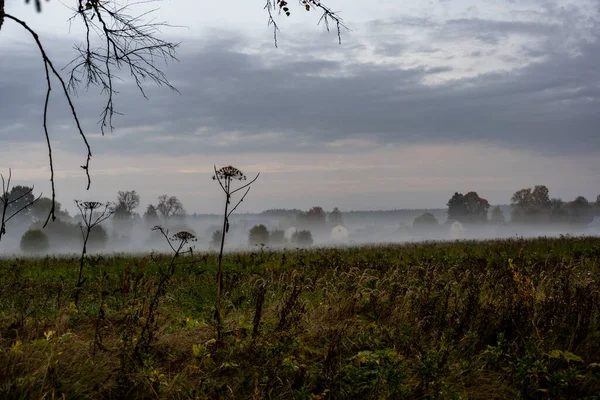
420 100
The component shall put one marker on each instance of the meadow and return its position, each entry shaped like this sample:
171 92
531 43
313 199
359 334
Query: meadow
516 318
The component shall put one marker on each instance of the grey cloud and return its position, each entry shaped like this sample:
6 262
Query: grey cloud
235 101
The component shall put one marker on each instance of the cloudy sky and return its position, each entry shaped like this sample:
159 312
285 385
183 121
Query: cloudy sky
421 99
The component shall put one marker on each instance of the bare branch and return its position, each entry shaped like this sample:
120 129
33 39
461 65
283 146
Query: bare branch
130 43
238 203
328 15
247 184
6 202
49 64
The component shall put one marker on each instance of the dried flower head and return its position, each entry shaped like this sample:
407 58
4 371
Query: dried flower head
229 173
183 236
89 205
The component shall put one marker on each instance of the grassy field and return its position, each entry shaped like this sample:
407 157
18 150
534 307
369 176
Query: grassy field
485 320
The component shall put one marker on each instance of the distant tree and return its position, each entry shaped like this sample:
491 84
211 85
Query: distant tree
457 210
20 198
34 241
558 210
151 215
215 240
597 204
277 237
580 211
315 217
335 217
531 205
41 209
468 208
169 207
497 216
98 238
259 234
127 202
426 220
302 238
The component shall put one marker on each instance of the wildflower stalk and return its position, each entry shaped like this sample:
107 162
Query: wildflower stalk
225 176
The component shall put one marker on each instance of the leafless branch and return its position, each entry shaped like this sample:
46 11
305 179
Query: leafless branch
130 43
328 16
247 184
6 202
238 203
49 66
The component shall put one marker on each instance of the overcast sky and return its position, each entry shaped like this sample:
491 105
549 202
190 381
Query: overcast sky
421 99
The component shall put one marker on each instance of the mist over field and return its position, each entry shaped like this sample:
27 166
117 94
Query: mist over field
130 232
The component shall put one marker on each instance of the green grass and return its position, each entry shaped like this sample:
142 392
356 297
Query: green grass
484 320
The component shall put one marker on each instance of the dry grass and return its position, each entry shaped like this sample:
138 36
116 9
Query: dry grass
499 319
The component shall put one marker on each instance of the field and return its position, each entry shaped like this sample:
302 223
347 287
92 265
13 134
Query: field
484 320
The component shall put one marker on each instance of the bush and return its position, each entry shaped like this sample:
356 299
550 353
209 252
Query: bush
426 220
34 241
302 238
259 234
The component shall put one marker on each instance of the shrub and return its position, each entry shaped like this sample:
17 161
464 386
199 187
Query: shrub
34 241
426 220
302 238
259 234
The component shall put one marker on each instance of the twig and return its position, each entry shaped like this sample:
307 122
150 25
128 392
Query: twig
48 63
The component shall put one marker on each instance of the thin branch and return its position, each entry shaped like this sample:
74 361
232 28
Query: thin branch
48 63
247 184
130 43
238 203
271 21
216 176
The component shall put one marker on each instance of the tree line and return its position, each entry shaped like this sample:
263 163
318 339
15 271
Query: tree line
527 206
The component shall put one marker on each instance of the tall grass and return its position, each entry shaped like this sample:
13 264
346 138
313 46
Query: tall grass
498 319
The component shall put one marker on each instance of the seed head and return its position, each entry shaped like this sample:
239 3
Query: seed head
229 173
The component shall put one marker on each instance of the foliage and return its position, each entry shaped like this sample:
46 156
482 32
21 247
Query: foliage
494 320
468 208
497 216
169 207
151 215
302 238
428 321
315 217
41 208
531 205
127 202
425 221
535 206
21 198
34 241
335 217
258 235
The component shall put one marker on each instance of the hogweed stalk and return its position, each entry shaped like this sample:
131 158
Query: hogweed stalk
226 176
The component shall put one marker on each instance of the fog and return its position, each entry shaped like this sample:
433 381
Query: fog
135 235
